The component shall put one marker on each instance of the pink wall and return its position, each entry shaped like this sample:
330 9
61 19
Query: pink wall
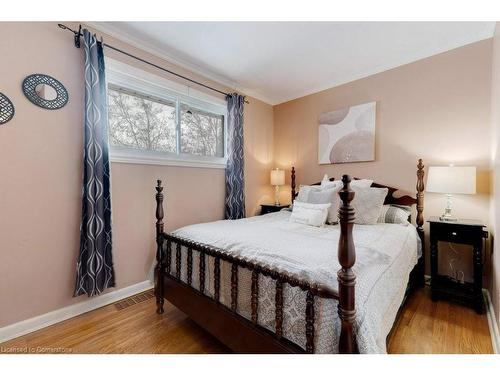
495 157
40 184
436 109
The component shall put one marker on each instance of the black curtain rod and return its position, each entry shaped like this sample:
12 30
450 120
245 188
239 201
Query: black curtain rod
78 34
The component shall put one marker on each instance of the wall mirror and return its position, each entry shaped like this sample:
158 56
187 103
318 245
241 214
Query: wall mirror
45 91
6 109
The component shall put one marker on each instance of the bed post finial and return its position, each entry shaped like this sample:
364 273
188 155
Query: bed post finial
159 207
293 184
420 194
345 276
420 274
160 264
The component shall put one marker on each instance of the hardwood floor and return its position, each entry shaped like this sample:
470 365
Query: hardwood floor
439 327
423 327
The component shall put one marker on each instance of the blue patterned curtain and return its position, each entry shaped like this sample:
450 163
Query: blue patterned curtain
95 263
235 184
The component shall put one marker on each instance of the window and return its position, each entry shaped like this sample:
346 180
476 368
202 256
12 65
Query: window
202 133
141 123
149 123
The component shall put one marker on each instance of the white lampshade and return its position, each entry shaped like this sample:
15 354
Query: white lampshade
277 177
451 180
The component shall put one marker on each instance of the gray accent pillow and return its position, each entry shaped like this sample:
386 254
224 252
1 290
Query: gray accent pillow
318 195
367 204
394 214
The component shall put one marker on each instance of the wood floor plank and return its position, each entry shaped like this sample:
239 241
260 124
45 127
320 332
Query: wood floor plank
423 326
439 327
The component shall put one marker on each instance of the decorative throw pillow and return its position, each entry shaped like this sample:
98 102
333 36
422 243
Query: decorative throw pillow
327 184
318 195
394 214
367 204
309 213
363 183
304 192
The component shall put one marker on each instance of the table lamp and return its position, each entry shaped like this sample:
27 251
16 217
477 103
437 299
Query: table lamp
451 180
277 180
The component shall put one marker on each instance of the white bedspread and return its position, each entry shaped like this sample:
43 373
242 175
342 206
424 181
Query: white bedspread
385 255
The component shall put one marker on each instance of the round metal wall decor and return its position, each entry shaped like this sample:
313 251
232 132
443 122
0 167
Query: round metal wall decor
45 91
6 109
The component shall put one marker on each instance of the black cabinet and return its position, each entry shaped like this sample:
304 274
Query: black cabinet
468 232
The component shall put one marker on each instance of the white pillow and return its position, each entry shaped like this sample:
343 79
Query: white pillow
327 184
363 183
304 192
394 214
367 204
318 195
309 213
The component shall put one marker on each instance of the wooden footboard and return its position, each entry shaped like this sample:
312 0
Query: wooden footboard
214 316
225 323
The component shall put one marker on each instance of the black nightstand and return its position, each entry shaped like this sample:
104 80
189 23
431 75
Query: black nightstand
468 232
268 208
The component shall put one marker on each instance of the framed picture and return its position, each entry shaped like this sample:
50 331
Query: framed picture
347 135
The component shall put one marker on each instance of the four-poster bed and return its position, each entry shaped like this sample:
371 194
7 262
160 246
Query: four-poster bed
207 305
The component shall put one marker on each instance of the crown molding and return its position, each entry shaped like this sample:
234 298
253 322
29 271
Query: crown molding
146 46
486 33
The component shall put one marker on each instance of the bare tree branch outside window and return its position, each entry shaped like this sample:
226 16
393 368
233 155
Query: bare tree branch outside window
140 123
143 123
202 133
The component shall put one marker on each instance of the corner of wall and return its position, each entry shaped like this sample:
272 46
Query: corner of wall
259 154
495 168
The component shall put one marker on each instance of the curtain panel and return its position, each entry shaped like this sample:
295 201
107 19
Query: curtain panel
235 183
95 270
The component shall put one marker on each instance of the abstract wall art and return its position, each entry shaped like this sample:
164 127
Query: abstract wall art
347 135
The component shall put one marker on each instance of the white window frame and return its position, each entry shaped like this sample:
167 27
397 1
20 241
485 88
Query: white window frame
146 84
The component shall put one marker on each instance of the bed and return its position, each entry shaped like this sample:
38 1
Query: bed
267 285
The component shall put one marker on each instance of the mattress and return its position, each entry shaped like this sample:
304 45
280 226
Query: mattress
385 256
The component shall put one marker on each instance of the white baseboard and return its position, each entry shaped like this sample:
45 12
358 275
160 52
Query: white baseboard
38 322
492 322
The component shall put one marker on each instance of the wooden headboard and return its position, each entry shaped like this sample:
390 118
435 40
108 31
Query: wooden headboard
404 200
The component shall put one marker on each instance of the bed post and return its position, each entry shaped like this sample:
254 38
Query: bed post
160 264
293 184
420 221
420 195
345 276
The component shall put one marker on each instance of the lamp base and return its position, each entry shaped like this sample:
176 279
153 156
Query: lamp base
447 211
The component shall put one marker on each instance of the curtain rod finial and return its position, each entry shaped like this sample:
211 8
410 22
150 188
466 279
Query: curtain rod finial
77 36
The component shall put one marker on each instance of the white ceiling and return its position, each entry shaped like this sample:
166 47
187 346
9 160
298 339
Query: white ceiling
280 61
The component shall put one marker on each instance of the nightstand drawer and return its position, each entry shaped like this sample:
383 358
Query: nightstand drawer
456 233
